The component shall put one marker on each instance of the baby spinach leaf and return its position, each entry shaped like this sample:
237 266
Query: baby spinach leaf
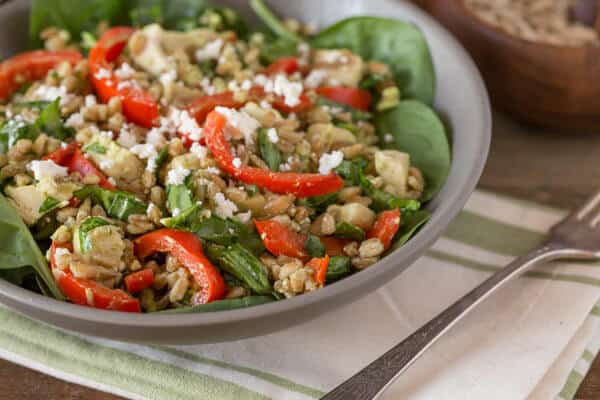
268 151
51 123
222 305
314 247
272 50
418 131
227 231
73 16
351 170
319 203
382 200
245 266
185 220
18 249
398 44
272 21
117 204
409 225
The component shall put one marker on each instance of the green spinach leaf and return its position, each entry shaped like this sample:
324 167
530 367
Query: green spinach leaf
400 45
418 131
409 225
273 50
222 305
51 123
19 250
179 198
227 231
117 204
268 151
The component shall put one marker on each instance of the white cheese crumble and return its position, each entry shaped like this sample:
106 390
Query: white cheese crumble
272 135
224 207
198 150
177 176
188 126
210 51
146 151
290 91
102 73
166 78
127 138
155 137
329 161
51 93
388 138
207 86
315 78
125 71
46 169
237 162
123 84
246 84
241 121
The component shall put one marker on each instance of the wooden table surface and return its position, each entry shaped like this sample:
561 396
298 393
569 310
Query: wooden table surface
555 169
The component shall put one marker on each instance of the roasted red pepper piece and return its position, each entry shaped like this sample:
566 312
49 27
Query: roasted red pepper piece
72 158
301 185
353 97
319 265
385 227
138 106
281 240
139 280
86 292
31 66
283 65
334 246
187 249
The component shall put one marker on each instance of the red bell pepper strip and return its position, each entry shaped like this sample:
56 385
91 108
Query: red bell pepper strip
334 246
281 240
319 265
200 108
187 249
31 66
353 97
89 293
139 280
283 65
72 158
385 227
300 185
138 106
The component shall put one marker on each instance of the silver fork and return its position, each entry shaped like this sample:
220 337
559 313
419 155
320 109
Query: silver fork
577 237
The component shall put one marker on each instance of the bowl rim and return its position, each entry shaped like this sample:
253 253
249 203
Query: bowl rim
17 297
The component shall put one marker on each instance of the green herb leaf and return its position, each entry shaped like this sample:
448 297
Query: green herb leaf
268 151
314 247
351 170
185 220
418 131
222 305
346 230
179 198
227 231
19 250
273 50
48 205
51 123
398 44
339 267
117 204
409 225
95 148
320 203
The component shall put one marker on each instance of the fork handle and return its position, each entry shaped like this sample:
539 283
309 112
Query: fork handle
372 380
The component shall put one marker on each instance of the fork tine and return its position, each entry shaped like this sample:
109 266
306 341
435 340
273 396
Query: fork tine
588 207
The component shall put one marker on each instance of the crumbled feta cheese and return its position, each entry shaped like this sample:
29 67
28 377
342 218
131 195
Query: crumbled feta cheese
272 135
188 126
233 86
143 151
329 161
290 91
246 84
123 84
237 162
388 138
75 120
241 121
51 93
315 78
198 150
224 207
210 51
155 137
127 138
177 176
207 86
46 169
102 73
90 100
125 71
168 77
261 80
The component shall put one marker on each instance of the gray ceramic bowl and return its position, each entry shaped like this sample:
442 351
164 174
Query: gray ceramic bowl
461 98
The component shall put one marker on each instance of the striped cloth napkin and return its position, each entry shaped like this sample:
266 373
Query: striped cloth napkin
535 339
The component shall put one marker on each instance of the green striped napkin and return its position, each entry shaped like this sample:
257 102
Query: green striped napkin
533 340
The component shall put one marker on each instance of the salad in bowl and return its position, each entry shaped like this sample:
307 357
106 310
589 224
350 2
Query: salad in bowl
161 158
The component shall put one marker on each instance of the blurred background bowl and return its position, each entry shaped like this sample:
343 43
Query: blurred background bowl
547 85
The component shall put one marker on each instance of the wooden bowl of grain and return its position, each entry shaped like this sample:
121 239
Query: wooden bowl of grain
544 80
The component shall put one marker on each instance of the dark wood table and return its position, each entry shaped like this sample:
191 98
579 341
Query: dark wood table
555 169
